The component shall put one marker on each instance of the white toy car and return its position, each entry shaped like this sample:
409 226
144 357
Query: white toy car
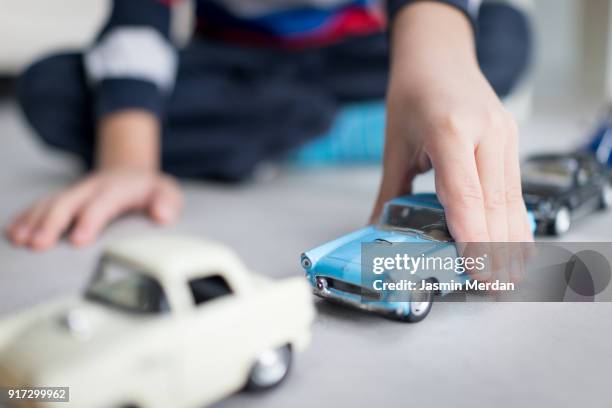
166 322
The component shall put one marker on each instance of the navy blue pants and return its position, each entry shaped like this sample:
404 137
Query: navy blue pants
233 107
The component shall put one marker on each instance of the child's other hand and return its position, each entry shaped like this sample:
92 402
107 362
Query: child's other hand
87 207
442 113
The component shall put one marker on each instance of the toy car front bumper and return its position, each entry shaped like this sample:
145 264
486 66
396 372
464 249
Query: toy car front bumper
396 309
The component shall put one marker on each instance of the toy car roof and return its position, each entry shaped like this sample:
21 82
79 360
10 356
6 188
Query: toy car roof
427 200
172 256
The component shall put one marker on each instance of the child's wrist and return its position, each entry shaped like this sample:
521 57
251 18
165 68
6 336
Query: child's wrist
428 39
127 167
129 140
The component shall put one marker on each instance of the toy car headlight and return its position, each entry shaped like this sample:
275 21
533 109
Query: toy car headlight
321 283
306 262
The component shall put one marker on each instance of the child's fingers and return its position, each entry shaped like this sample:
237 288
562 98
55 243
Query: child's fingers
23 228
459 190
490 165
166 202
96 214
519 229
13 230
58 217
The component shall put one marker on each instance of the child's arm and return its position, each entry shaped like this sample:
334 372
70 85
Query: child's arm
131 68
442 113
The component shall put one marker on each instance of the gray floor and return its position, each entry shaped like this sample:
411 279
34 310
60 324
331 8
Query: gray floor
463 355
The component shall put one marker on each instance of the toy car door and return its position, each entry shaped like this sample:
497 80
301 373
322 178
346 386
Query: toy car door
214 340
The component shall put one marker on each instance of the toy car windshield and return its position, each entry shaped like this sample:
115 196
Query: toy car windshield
118 284
425 222
556 173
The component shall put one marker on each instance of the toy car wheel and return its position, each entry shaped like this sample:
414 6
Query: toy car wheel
420 305
606 197
561 223
270 369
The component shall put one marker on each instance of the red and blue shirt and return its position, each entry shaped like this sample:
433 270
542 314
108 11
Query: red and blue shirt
305 24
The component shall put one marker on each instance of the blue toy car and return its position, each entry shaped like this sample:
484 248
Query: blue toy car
334 269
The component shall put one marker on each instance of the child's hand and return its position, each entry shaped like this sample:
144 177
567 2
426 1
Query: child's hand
442 113
88 206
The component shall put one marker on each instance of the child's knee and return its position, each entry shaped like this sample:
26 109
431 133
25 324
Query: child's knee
37 81
50 93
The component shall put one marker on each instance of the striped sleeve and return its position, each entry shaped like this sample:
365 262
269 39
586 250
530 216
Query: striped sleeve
468 7
133 62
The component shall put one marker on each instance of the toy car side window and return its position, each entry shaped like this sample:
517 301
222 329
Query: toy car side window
209 288
584 174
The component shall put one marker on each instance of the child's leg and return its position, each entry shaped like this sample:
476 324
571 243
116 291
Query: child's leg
234 107
354 73
57 104
355 70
